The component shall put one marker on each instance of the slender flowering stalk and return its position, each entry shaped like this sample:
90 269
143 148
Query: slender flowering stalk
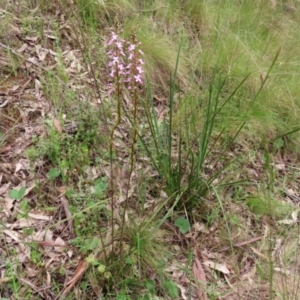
126 71
134 83
116 64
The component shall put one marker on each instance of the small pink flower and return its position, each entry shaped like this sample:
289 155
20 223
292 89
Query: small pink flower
139 69
112 73
119 45
131 47
131 56
115 59
138 79
112 39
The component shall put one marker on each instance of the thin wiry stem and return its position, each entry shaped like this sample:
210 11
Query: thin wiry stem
116 61
119 99
132 158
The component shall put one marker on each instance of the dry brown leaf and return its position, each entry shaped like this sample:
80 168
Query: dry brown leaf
51 37
31 38
22 223
41 52
62 189
183 291
51 244
44 235
80 270
199 275
293 220
56 124
23 251
219 267
5 149
60 244
250 274
4 188
283 271
13 235
28 189
19 167
278 250
22 48
40 217
31 272
37 89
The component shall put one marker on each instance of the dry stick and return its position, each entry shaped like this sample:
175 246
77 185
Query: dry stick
69 216
240 244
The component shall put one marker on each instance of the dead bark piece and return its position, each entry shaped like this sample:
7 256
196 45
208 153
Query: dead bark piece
80 270
200 279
